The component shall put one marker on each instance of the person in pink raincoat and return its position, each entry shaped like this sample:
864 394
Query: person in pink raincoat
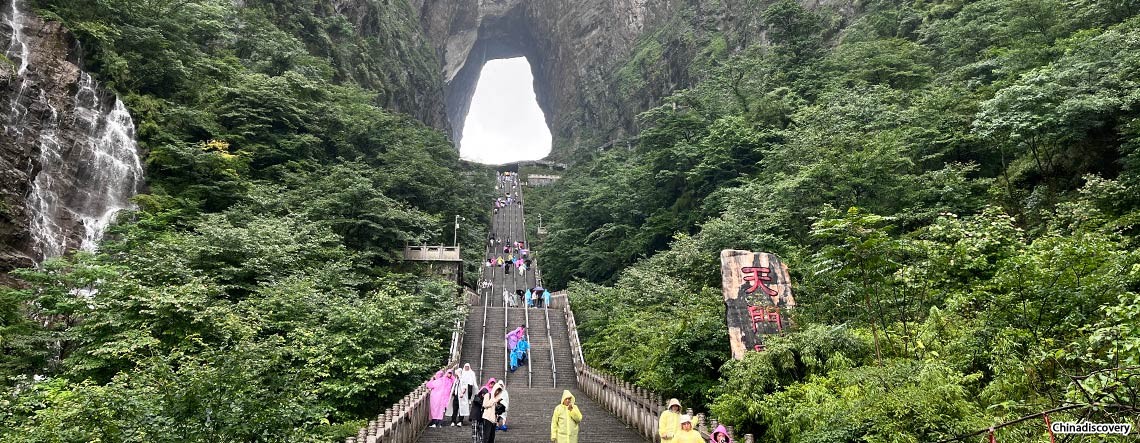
720 435
440 387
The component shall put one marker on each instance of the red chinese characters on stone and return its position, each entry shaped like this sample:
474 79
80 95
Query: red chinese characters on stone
765 314
757 277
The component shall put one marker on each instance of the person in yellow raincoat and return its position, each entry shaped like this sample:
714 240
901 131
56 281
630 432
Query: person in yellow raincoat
564 422
670 421
687 434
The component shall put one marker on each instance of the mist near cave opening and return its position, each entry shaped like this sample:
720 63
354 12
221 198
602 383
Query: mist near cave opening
504 123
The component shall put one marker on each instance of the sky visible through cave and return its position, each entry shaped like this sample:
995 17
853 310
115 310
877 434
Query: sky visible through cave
504 123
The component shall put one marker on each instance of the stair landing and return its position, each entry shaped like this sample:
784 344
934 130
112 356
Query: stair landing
528 421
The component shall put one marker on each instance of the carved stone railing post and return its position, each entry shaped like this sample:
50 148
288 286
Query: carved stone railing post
623 402
627 399
390 422
641 410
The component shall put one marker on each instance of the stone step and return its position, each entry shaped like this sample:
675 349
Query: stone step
528 421
533 394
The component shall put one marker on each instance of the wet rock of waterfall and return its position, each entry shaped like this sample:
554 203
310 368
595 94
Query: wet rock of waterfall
68 157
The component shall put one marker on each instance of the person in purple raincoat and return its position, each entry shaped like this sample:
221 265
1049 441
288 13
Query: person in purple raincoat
514 336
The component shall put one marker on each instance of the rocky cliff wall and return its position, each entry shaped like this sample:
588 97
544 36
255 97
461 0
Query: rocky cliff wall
57 118
384 52
68 158
50 76
596 63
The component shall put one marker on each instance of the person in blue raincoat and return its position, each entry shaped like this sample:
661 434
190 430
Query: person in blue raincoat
529 296
519 355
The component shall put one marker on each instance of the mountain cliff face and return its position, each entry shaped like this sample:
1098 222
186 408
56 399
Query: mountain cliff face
68 154
69 161
596 63
371 43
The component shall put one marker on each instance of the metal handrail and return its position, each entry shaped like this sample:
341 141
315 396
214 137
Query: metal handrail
483 338
455 337
529 365
550 338
545 311
506 346
529 371
506 313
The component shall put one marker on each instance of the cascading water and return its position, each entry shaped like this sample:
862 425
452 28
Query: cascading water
89 181
88 166
17 49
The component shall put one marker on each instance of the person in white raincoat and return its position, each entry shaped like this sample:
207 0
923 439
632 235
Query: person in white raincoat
462 393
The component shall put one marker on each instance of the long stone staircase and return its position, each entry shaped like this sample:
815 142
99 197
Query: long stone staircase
536 388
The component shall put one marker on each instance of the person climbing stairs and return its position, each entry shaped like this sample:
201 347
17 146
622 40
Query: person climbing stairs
535 388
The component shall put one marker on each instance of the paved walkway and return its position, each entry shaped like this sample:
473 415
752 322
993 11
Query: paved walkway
537 388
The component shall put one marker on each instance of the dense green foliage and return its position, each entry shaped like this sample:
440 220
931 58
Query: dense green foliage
954 185
256 294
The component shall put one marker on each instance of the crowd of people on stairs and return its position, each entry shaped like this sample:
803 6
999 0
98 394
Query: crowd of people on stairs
456 399
516 255
452 393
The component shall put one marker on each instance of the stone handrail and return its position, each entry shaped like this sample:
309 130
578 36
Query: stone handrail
471 296
404 421
637 407
558 300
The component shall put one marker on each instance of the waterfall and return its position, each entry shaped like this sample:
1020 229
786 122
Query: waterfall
88 163
19 51
113 169
48 235
14 20
88 180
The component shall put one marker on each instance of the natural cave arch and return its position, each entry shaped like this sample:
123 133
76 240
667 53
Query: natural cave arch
507 35
573 47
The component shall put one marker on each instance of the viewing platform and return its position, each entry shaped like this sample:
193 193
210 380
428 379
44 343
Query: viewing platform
541 180
432 253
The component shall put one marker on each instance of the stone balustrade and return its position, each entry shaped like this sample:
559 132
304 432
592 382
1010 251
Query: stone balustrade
432 253
404 421
637 407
